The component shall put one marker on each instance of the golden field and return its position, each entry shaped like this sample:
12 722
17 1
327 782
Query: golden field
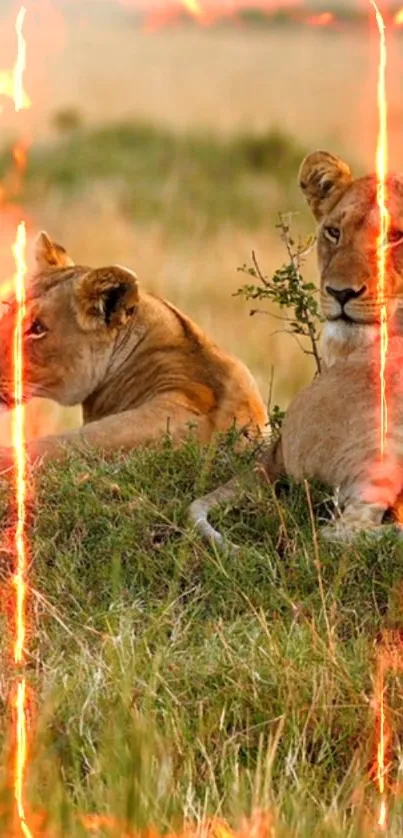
317 87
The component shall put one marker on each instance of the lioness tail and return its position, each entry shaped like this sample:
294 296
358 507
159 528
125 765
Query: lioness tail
270 465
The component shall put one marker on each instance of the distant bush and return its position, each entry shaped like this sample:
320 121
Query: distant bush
67 120
154 172
274 149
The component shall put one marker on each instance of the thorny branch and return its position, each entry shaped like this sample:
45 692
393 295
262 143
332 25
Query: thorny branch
288 289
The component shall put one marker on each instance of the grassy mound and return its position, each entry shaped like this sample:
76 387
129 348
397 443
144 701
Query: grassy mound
168 682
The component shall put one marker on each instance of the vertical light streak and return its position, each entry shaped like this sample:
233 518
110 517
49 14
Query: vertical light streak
380 768
18 437
384 221
11 82
20 64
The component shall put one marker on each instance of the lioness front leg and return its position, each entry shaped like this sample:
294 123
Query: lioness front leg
136 428
358 517
365 501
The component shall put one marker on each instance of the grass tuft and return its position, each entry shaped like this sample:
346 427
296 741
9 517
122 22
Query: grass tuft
172 684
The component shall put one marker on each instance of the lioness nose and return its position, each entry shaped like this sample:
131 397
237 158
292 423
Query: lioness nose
343 295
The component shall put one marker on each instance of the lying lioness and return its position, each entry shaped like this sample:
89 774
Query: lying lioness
137 365
331 430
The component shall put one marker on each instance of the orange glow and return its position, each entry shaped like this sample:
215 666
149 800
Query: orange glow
382 814
11 82
172 11
384 221
261 825
209 12
93 823
380 766
398 18
18 438
21 755
193 7
20 546
20 64
20 157
323 19
389 661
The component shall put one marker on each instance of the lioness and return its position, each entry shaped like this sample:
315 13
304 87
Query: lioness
137 365
331 430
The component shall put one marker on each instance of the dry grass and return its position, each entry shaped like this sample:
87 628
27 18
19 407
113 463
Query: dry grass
319 86
170 684
227 663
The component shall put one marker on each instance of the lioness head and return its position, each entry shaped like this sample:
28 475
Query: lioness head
74 319
347 213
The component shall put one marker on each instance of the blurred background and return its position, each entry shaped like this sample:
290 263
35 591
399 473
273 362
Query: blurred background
167 136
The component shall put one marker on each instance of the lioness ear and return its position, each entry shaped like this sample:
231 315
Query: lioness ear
48 254
106 297
323 179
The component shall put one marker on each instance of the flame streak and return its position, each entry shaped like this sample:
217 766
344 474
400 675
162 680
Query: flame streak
20 64
384 221
382 241
18 438
11 83
382 266
20 546
380 771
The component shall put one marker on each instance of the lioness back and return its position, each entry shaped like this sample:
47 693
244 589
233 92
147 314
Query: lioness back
214 381
137 365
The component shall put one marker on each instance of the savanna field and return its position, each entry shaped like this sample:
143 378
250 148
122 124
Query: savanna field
172 688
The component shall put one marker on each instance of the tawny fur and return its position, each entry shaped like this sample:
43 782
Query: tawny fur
137 365
331 430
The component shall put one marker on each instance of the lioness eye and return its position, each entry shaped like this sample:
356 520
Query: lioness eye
333 234
36 329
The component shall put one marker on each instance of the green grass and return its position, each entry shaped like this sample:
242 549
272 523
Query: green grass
169 682
189 181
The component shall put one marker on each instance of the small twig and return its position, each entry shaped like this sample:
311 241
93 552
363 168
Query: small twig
295 259
256 265
282 317
288 290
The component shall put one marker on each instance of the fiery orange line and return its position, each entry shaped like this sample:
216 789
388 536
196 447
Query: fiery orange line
11 83
20 547
20 64
18 437
381 756
382 266
384 221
